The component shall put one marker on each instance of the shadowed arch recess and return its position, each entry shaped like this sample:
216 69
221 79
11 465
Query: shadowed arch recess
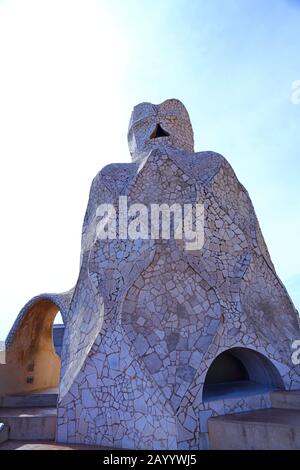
239 372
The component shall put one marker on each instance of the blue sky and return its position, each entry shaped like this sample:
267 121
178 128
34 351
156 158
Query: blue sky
72 71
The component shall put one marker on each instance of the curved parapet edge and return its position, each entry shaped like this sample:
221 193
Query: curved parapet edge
62 301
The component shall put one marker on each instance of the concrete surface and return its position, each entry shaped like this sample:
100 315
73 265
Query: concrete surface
266 429
45 445
30 423
31 400
286 399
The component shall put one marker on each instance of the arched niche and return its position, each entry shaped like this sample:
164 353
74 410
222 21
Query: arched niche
239 372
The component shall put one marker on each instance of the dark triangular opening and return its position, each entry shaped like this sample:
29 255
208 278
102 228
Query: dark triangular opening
159 132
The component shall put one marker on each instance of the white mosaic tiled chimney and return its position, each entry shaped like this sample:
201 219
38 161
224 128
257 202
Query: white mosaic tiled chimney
159 337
